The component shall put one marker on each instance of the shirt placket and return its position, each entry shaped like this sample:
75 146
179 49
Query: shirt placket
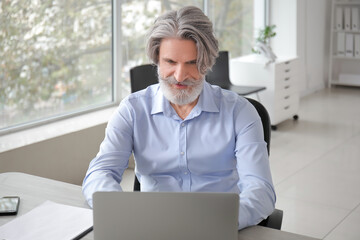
184 171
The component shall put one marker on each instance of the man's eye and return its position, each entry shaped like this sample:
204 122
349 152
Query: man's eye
170 61
192 62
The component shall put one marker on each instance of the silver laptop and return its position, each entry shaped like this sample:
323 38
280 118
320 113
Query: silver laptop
165 216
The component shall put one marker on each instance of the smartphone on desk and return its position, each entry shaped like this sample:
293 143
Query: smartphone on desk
9 205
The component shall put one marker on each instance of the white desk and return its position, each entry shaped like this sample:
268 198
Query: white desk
35 190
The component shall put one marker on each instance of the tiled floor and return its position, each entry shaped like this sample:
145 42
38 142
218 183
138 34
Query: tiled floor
315 163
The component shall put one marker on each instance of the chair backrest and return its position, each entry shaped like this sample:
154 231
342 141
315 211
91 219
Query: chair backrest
143 76
265 120
219 75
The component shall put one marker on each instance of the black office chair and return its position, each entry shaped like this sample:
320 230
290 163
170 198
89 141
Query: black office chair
145 75
219 75
275 219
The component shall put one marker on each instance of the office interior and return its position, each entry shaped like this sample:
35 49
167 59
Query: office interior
315 160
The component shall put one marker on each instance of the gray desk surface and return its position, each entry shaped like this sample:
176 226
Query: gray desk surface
244 90
35 190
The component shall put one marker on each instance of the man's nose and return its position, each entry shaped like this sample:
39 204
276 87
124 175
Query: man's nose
180 73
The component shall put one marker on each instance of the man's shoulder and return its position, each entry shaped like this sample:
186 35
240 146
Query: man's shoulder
141 100
143 95
229 102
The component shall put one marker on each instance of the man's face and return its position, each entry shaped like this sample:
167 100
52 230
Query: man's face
179 77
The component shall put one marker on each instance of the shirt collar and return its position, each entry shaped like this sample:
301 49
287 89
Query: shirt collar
160 103
208 102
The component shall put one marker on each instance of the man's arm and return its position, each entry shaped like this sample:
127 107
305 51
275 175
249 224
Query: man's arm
106 169
257 195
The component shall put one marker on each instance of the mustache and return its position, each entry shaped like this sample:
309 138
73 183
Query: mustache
187 82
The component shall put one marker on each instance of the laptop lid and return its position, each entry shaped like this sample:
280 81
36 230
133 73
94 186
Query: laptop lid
165 215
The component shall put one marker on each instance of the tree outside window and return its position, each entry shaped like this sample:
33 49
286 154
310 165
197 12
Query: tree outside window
56 56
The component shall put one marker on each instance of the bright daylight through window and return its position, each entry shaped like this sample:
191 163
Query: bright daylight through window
56 57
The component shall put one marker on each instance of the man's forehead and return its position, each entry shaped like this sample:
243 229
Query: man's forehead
171 47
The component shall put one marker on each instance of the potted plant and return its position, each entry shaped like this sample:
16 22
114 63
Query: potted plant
262 46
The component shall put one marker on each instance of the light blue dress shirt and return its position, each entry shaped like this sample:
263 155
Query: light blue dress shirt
219 147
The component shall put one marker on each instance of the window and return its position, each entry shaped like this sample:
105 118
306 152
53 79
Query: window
235 23
57 57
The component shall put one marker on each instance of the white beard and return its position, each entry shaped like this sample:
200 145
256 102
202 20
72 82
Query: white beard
181 96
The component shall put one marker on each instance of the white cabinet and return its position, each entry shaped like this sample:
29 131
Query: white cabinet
281 97
345 43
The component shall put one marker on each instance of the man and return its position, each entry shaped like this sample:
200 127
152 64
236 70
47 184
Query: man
185 134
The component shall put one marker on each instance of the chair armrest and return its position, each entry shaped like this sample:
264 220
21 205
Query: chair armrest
274 220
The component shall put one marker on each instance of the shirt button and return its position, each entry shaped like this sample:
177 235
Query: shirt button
183 124
182 153
185 173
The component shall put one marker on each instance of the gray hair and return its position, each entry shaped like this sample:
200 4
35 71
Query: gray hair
186 23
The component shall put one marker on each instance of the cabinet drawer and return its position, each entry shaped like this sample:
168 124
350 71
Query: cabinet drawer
283 101
289 110
285 81
283 114
285 70
287 66
286 89
285 109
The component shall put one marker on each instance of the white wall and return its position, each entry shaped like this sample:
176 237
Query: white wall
303 29
64 158
314 42
283 15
